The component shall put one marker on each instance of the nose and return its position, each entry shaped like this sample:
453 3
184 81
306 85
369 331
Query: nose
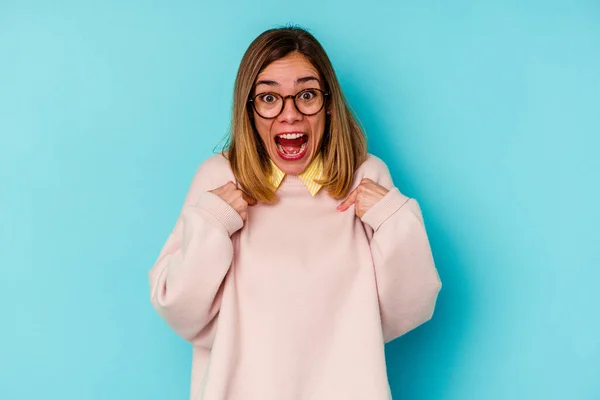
290 113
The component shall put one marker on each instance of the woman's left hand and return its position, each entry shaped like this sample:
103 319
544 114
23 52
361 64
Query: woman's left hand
364 196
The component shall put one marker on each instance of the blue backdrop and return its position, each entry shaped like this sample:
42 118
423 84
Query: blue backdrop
487 112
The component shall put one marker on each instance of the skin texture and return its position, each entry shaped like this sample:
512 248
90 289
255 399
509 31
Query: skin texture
283 76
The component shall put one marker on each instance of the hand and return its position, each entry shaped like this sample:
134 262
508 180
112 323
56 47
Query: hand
235 197
364 196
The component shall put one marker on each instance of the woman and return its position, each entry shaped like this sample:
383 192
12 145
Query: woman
285 291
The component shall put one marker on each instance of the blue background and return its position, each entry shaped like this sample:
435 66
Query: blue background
487 112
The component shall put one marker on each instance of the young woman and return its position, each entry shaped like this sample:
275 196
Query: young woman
294 258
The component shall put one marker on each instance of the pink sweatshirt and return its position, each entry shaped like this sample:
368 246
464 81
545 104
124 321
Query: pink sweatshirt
297 303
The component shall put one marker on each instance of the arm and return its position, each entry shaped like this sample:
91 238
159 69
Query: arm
186 280
407 280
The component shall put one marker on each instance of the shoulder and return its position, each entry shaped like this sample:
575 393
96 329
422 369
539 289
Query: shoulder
213 172
373 164
215 164
374 168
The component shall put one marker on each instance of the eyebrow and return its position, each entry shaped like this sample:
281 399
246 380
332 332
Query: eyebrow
304 79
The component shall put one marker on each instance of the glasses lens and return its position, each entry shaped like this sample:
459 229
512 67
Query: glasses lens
268 104
309 101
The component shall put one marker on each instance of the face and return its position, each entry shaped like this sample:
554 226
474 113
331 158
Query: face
292 139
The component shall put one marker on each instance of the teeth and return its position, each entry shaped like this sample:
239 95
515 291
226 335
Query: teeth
291 135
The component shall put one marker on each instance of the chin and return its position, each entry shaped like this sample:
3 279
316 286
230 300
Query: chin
294 170
292 167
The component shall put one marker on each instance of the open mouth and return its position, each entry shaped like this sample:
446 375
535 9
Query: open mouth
291 146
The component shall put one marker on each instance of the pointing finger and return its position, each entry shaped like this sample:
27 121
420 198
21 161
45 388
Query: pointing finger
351 199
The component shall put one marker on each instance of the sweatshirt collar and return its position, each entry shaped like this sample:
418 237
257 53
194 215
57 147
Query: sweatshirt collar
311 174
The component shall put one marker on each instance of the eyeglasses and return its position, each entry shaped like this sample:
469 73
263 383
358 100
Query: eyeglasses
269 105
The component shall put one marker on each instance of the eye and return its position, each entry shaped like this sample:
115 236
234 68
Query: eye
268 98
308 94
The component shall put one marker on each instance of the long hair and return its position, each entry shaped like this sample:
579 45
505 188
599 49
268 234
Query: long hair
343 146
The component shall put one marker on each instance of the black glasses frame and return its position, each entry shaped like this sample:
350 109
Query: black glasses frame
293 97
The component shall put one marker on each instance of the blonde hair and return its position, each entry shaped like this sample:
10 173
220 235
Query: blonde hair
343 147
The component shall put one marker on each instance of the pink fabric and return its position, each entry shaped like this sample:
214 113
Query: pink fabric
298 303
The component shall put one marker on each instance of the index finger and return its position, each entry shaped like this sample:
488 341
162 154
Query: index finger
351 199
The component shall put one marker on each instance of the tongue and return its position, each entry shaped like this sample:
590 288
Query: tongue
291 146
291 150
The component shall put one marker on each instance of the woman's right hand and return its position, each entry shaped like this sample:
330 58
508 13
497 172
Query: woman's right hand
236 198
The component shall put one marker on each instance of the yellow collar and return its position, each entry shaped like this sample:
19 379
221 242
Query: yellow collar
311 174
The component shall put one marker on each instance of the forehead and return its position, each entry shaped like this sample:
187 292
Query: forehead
287 70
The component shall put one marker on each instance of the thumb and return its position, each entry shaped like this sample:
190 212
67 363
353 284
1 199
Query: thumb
249 199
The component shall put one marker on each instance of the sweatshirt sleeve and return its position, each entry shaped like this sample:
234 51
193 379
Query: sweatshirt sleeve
186 280
407 279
